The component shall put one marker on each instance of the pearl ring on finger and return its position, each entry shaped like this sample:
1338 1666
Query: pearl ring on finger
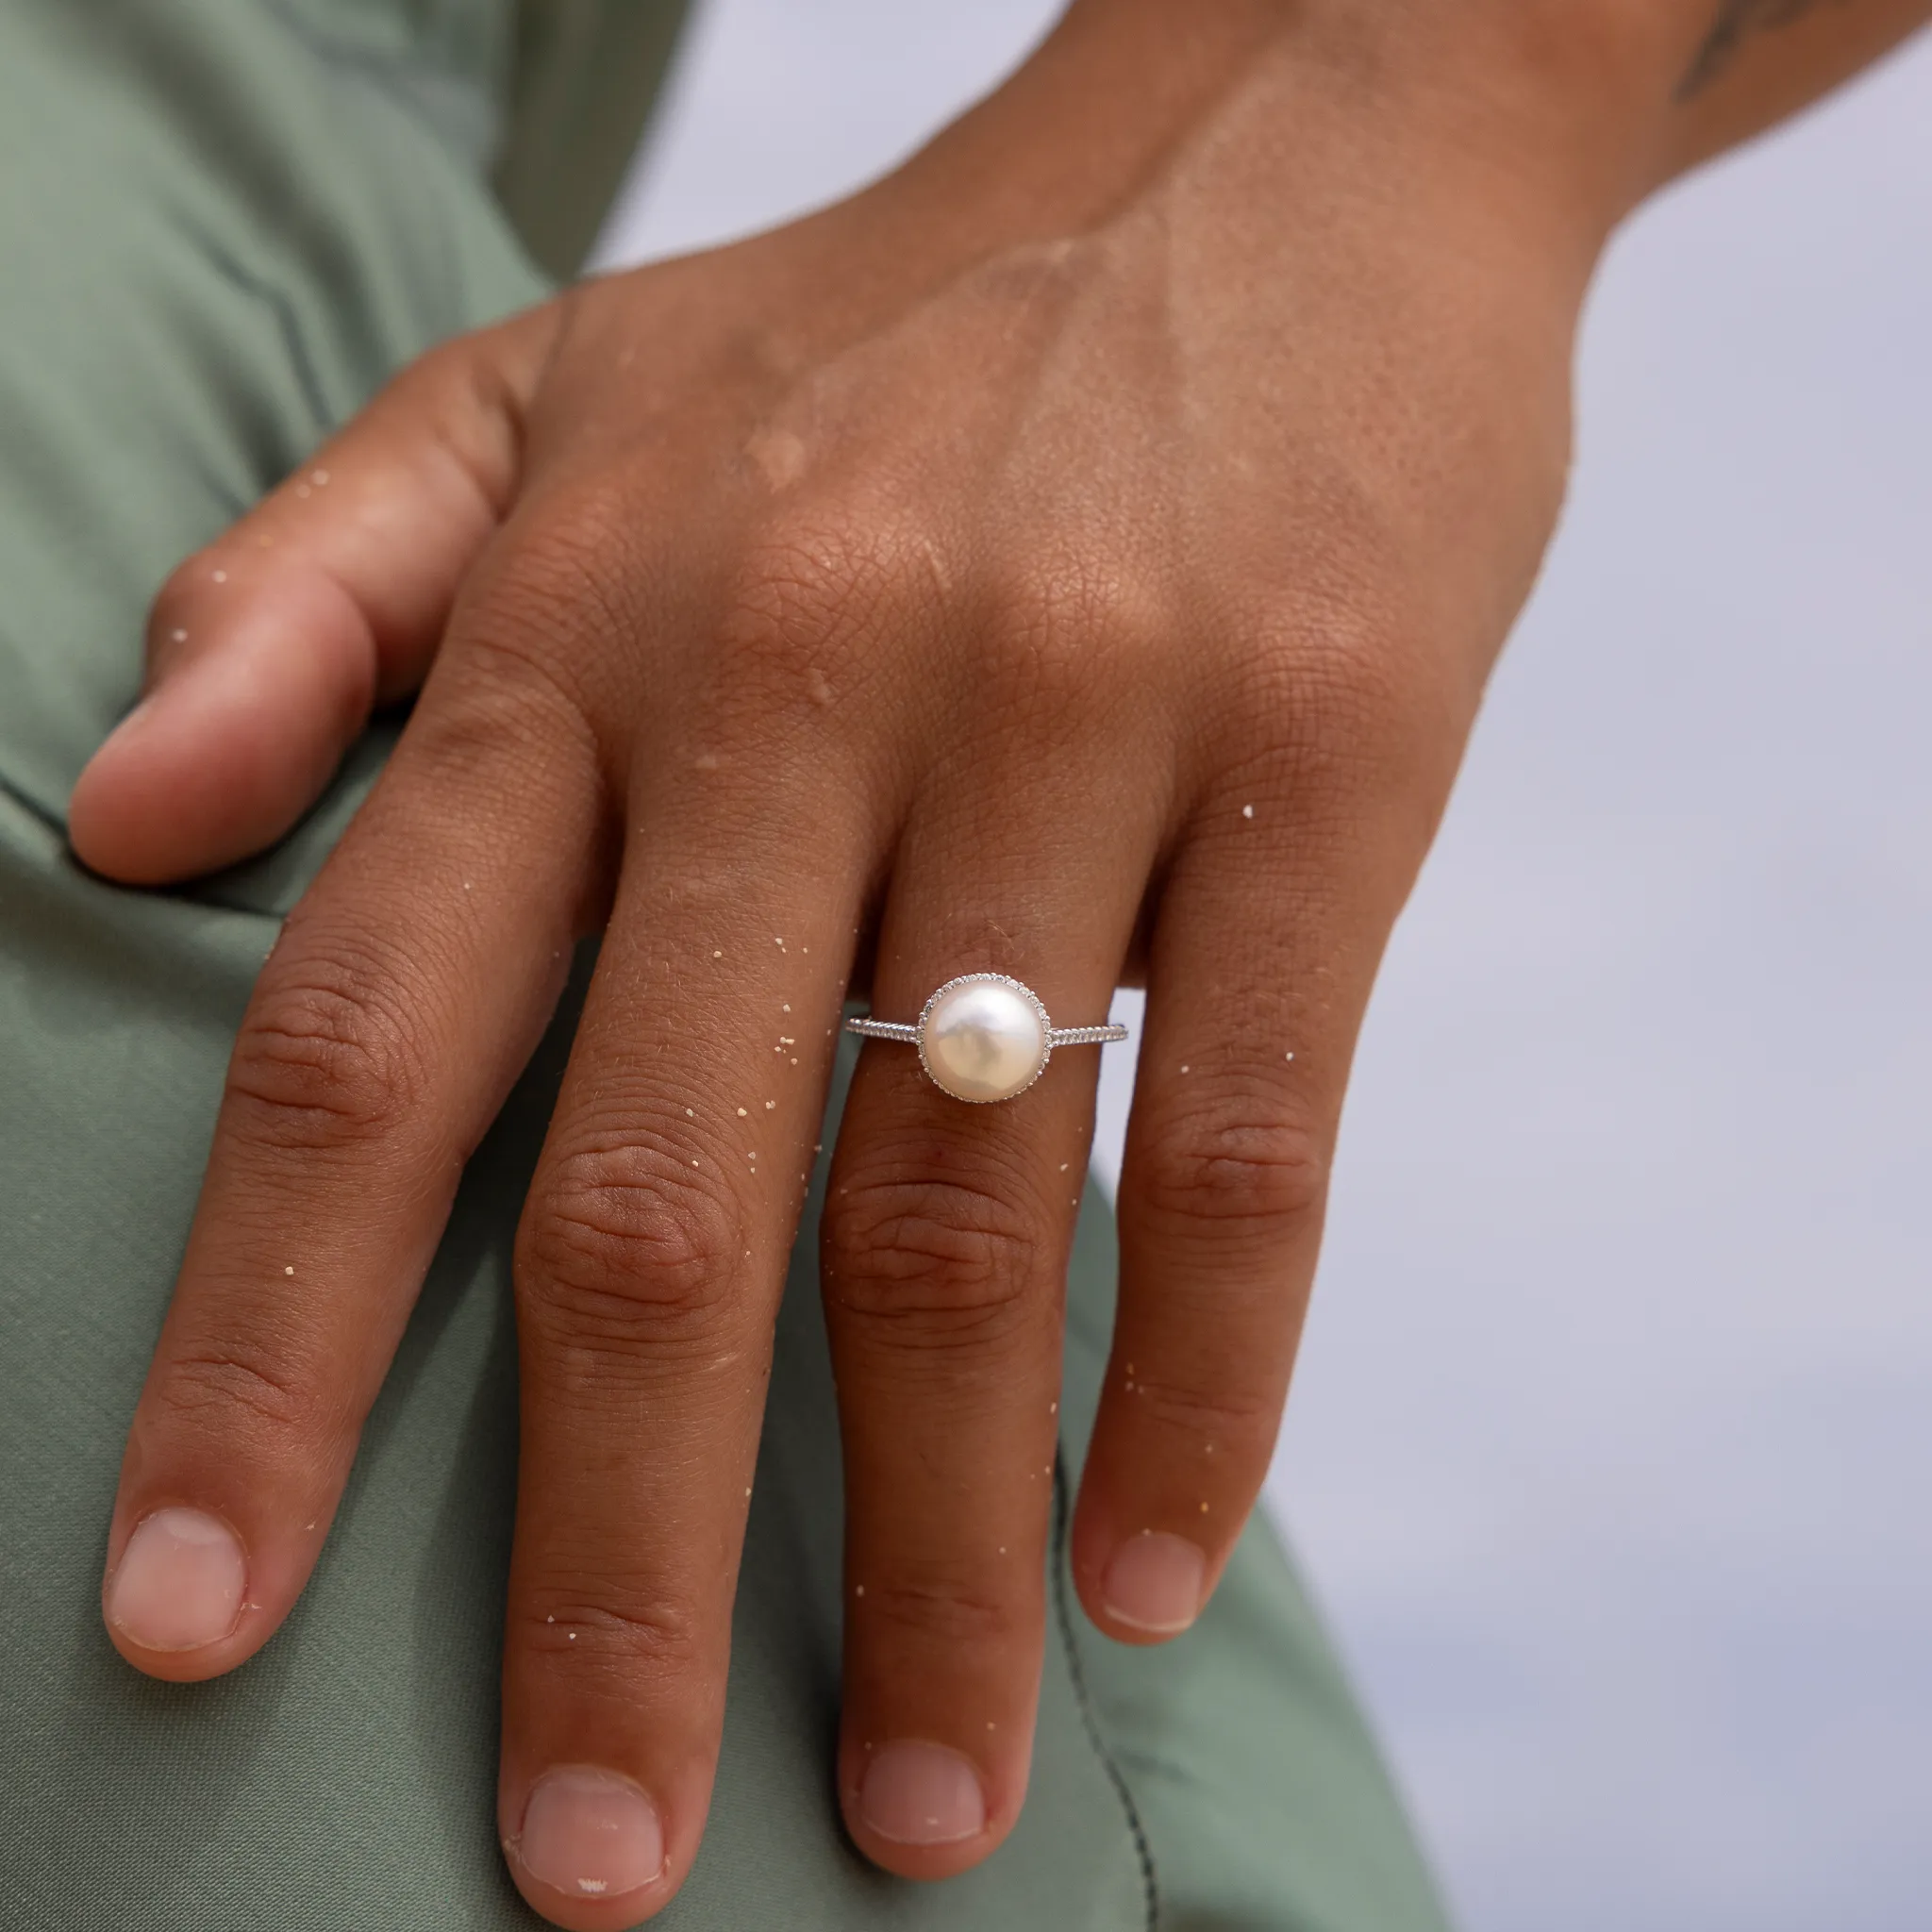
984 1037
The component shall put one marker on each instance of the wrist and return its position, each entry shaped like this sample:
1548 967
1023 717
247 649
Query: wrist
1598 102
1553 106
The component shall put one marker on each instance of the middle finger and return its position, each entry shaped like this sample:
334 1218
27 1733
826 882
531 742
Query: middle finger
650 1260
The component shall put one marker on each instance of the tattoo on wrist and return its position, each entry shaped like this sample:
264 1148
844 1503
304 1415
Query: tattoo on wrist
1735 22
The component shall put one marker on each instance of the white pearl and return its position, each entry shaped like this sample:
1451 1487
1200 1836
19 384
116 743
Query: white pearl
982 1040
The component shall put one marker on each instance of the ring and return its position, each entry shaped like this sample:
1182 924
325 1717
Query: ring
984 1037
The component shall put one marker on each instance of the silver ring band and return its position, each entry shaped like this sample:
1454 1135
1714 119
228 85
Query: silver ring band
907 1033
984 1037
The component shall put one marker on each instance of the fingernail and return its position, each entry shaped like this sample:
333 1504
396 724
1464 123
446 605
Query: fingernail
1154 1582
181 1582
589 1833
922 1794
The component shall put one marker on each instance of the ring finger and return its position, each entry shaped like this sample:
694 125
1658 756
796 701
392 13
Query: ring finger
945 1242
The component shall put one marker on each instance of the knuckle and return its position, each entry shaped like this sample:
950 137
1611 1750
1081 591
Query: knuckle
236 1387
1067 617
613 1626
175 598
518 713
1230 1163
323 1057
828 579
628 1250
557 615
1335 705
451 386
1237 1416
1333 669
935 1603
574 562
940 1259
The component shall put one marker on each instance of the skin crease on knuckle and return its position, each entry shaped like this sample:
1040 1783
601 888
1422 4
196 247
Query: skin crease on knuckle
1181 1418
252 1400
1229 1161
323 1059
630 1254
612 1631
948 1608
932 1261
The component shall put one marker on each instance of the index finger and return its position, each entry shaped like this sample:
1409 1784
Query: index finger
401 1001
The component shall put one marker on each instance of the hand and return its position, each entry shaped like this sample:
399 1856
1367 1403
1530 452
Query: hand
1082 564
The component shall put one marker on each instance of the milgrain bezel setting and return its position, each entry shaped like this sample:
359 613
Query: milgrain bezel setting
1025 992
913 1032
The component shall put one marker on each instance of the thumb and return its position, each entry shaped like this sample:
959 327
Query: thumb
266 650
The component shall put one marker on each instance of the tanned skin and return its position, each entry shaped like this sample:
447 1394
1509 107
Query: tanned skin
1078 555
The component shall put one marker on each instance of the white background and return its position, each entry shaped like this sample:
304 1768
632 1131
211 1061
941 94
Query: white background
1610 1446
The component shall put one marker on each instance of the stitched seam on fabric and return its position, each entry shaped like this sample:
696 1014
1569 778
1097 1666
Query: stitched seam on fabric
1090 1717
307 376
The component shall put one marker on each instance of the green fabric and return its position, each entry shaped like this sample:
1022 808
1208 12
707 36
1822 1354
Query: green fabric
586 71
223 222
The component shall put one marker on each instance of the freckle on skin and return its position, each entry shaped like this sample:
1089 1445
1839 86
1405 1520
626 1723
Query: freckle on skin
1247 812
287 1270
220 577
177 637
